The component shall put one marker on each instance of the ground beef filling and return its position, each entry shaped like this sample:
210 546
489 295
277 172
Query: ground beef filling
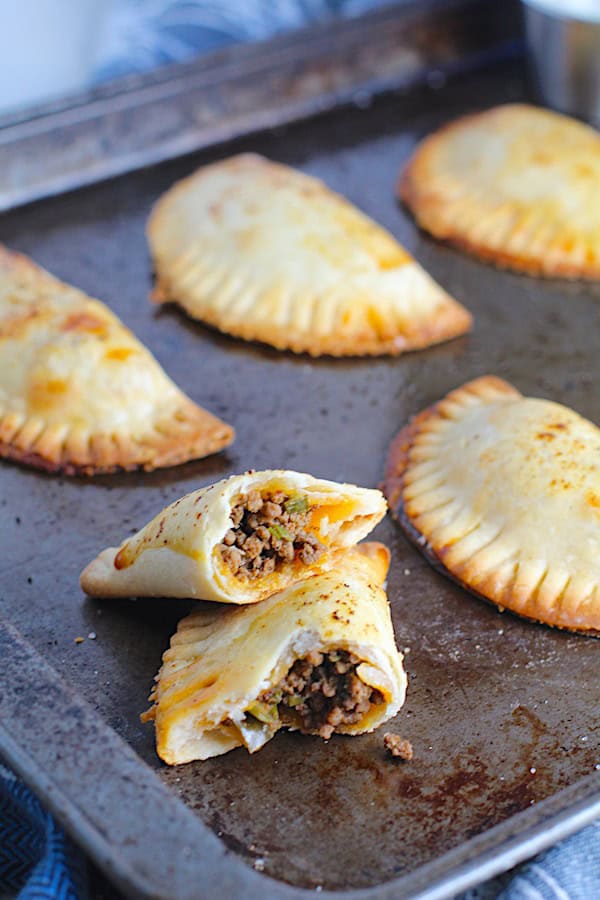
398 747
268 531
322 692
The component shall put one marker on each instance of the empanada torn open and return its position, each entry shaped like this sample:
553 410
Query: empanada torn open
239 540
79 394
502 493
318 657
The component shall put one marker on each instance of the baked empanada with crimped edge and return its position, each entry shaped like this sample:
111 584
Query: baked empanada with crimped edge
517 185
502 492
239 540
318 657
266 253
78 393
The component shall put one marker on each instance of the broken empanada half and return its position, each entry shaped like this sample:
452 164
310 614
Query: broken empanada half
239 540
319 657
517 185
78 393
266 253
503 492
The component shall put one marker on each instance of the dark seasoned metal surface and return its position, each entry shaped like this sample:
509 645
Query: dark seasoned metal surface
501 713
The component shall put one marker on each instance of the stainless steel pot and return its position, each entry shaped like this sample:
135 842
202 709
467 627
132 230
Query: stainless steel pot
564 49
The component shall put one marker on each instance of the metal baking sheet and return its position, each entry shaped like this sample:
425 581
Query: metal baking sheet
502 714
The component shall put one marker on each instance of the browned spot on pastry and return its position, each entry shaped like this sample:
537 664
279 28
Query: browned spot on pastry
120 354
13 326
593 499
84 321
45 394
122 558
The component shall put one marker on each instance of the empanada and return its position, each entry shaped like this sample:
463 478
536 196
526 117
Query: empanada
78 393
516 185
318 657
504 492
266 253
239 540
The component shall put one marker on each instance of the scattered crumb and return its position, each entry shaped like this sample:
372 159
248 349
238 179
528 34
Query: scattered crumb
79 640
407 571
92 636
397 746
533 770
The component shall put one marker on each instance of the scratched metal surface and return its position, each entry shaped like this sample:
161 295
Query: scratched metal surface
491 698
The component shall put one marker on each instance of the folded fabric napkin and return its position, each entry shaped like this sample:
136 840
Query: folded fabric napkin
37 859
139 36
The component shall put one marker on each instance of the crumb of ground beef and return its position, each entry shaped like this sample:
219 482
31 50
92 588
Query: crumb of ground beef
268 530
398 747
321 692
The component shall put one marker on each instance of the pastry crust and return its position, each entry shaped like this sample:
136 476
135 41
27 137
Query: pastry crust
517 185
178 553
220 662
263 252
502 492
78 393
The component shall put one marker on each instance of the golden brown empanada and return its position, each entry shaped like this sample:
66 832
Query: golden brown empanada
239 540
267 253
504 492
78 393
318 657
516 185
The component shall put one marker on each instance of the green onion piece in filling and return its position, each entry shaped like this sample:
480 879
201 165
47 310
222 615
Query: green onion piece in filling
297 504
264 712
294 700
281 533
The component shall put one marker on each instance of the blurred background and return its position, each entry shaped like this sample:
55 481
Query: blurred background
55 48
52 48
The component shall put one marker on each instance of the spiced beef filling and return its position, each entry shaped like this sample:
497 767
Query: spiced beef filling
267 531
320 693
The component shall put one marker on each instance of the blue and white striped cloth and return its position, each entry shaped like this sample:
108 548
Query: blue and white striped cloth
143 34
37 859
38 862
